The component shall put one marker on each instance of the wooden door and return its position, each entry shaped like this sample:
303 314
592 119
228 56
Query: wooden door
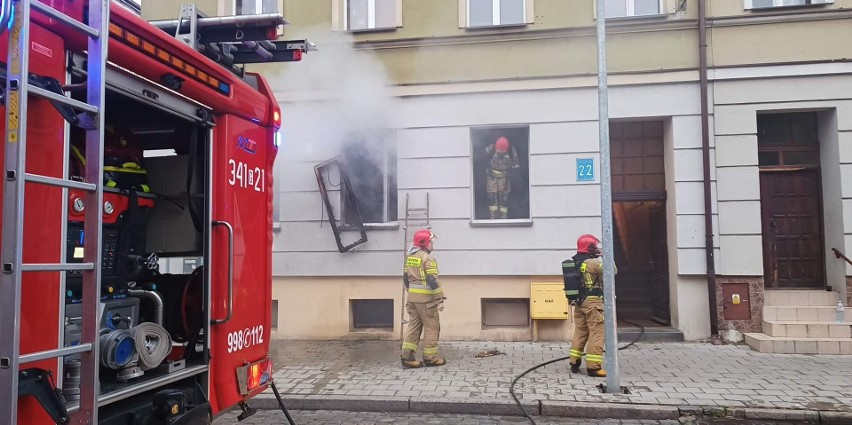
792 229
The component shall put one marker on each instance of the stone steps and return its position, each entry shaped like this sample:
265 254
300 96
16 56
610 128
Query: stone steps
807 329
793 345
800 298
803 314
802 322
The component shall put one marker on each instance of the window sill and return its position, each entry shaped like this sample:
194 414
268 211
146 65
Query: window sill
521 222
372 30
659 17
494 27
394 225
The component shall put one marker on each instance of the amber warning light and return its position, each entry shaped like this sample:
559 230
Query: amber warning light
254 375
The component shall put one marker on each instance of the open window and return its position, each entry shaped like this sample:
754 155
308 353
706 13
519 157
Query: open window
501 180
370 163
331 179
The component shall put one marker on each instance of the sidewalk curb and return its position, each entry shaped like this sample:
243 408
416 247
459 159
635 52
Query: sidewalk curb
507 407
474 406
608 410
835 418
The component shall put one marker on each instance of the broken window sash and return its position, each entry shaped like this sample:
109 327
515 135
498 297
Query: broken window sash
322 171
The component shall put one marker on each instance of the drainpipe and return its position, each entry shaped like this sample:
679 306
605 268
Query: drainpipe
705 151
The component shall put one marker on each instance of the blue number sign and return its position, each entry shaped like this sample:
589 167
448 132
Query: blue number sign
585 169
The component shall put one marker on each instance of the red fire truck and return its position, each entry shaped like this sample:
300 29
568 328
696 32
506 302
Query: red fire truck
128 143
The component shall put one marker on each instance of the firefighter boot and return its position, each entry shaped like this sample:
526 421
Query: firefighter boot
575 366
437 362
410 362
597 373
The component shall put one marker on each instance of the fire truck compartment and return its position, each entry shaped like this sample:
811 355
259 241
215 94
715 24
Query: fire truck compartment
157 201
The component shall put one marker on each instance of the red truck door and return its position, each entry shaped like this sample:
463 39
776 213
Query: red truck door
242 193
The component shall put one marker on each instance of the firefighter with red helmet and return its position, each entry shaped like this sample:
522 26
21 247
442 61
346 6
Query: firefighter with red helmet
425 300
503 162
589 308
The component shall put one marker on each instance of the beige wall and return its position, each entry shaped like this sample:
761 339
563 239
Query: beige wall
318 308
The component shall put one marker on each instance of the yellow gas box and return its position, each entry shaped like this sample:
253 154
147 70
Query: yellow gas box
547 301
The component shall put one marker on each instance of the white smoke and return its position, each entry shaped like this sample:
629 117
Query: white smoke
334 95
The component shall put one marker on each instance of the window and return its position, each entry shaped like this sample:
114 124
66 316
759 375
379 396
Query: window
788 140
765 4
255 7
368 314
487 13
371 14
274 315
370 163
504 312
501 180
623 8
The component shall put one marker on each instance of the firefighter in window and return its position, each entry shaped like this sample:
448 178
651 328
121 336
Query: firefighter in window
583 275
425 301
502 167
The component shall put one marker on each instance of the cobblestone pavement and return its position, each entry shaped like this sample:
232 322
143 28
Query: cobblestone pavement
678 374
272 417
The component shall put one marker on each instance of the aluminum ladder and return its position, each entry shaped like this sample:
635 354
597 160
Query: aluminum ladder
414 217
18 91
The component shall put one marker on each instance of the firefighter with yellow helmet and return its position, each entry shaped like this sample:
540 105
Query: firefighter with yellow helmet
503 161
425 300
589 306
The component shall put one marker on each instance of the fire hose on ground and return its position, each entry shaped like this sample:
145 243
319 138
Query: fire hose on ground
517 378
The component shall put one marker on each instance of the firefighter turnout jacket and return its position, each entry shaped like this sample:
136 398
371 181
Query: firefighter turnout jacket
420 276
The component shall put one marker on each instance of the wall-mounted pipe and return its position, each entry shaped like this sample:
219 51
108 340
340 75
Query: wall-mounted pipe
154 298
705 151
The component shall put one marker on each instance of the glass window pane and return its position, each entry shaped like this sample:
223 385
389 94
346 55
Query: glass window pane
270 6
385 13
768 158
511 12
246 7
756 4
801 158
358 15
616 8
646 7
480 13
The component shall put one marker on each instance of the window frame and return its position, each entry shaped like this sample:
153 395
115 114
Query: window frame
495 16
366 303
389 140
749 5
631 10
258 6
371 17
508 222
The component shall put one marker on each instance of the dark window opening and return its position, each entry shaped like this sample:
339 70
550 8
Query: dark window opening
371 314
371 167
501 183
274 314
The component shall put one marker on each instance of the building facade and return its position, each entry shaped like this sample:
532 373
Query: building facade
407 96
